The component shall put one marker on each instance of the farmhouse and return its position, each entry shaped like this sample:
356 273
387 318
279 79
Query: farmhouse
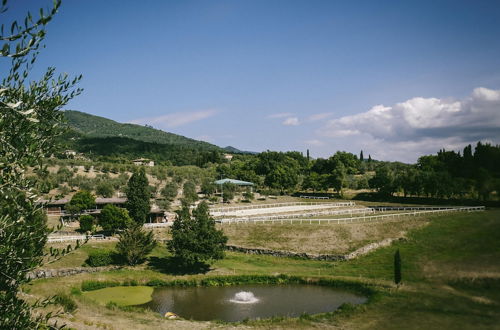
143 162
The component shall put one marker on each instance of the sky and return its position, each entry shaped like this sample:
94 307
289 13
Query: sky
396 79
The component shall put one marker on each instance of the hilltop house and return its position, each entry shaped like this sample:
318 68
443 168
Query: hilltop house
143 162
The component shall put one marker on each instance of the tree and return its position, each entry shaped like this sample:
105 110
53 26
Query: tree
29 121
113 218
105 189
135 244
189 192
397 267
87 223
170 191
138 196
82 200
361 158
194 237
228 191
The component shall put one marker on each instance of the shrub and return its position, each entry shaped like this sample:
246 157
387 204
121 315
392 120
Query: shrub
99 258
87 223
68 304
96 285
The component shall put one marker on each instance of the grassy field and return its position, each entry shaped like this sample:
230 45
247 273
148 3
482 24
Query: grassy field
317 238
451 280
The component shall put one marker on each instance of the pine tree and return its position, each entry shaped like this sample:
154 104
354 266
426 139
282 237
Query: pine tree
397 267
135 244
194 237
138 194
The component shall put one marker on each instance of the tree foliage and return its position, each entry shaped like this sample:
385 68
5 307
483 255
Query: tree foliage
113 218
138 195
135 244
29 121
397 267
82 200
195 238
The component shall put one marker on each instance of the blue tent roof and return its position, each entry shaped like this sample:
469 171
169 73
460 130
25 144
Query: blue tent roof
236 182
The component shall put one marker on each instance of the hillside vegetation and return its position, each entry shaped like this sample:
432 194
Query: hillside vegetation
95 126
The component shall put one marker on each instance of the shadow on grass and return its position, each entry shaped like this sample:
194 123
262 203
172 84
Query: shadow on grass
174 266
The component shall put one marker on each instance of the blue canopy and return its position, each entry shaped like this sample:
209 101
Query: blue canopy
236 182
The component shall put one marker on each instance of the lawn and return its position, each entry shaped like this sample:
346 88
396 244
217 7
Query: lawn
451 280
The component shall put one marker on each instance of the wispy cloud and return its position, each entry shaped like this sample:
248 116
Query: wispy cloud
280 115
319 116
176 119
291 121
314 142
421 125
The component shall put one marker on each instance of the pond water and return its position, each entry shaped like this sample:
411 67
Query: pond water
236 303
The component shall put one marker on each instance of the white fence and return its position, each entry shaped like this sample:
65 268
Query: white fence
264 206
68 238
302 215
363 218
158 225
315 197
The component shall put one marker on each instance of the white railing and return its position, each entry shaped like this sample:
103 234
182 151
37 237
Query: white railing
364 218
314 197
158 225
68 238
302 215
264 206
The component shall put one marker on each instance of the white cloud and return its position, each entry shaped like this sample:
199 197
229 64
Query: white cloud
319 116
176 119
280 115
421 125
291 121
314 142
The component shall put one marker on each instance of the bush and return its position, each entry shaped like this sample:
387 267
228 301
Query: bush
100 258
87 223
96 285
68 304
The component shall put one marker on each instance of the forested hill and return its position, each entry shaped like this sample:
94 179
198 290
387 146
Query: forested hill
92 126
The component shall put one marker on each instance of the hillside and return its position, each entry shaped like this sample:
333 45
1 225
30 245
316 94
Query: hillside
91 126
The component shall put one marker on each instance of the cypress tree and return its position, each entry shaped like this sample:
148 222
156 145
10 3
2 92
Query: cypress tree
138 196
361 158
397 267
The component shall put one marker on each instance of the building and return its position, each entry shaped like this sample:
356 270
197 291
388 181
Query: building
235 182
228 157
143 162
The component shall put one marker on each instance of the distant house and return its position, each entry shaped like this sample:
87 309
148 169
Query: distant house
228 157
143 162
70 153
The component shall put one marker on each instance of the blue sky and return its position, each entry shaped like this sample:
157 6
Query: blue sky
397 79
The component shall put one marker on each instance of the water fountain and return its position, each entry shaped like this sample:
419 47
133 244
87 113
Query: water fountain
244 297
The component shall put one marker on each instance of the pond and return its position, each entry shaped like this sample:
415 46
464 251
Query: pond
236 303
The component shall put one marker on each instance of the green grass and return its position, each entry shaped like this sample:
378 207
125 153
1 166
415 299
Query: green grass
121 295
451 279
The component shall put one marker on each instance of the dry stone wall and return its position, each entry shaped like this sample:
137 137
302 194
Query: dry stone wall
331 257
48 273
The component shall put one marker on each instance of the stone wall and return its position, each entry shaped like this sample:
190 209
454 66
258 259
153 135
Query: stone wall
47 273
331 257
